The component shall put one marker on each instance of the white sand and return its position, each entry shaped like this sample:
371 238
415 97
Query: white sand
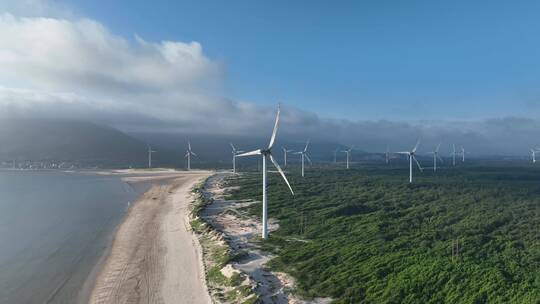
154 256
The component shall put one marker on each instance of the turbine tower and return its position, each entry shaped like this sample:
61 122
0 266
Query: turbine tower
387 154
453 155
411 155
234 153
435 157
150 151
189 153
267 154
304 155
285 151
348 152
462 154
533 155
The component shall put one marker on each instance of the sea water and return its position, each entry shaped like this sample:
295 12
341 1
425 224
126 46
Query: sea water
54 227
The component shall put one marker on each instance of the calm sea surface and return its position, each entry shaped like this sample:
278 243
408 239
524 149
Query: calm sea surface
54 226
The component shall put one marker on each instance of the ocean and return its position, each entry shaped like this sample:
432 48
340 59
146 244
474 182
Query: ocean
54 227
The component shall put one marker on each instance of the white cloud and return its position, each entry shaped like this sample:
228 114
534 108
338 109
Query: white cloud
62 68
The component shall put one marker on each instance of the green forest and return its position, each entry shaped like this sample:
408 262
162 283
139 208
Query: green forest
365 235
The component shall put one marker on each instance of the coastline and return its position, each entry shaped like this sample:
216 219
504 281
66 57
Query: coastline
165 193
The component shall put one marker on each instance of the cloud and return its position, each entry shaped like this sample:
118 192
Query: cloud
62 68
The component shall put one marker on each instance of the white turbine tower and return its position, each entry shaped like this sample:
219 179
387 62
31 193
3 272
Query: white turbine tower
150 151
454 155
411 155
387 154
285 151
462 154
304 155
348 152
267 154
234 153
189 153
435 157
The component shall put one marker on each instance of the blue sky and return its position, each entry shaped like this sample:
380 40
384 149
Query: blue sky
401 60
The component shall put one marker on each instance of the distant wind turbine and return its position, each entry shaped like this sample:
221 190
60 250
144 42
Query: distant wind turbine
348 152
150 151
189 153
411 155
267 154
304 155
234 153
387 154
285 151
462 154
453 155
533 155
435 157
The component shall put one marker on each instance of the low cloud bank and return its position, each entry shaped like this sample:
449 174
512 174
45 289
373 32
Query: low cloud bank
77 69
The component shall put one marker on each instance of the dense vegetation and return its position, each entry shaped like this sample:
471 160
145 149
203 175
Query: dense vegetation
366 236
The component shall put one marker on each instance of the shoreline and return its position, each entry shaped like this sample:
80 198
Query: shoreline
165 193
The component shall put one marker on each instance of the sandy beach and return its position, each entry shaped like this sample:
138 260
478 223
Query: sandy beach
154 257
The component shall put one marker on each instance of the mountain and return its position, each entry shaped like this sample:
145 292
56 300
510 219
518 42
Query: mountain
68 140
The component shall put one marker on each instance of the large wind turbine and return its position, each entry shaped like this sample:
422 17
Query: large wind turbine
348 152
285 151
411 154
189 153
304 155
435 157
234 153
267 154
150 151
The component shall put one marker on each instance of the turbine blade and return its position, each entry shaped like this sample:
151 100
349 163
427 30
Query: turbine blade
440 158
438 147
419 167
416 146
307 145
232 146
274 132
403 152
281 172
189 145
251 153
192 153
310 162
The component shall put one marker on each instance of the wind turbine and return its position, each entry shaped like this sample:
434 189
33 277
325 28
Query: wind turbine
234 152
285 151
435 157
462 154
188 155
387 154
454 155
267 154
411 155
304 155
533 155
150 151
335 154
347 152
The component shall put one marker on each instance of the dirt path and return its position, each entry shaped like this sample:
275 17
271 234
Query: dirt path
154 257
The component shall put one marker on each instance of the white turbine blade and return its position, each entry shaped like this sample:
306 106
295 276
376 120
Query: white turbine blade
189 146
281 172
403 152
308 158
440 158
419 167
255 152
239 151
416 146
298 152
438 147
274 132
192 153
232 146
307 145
